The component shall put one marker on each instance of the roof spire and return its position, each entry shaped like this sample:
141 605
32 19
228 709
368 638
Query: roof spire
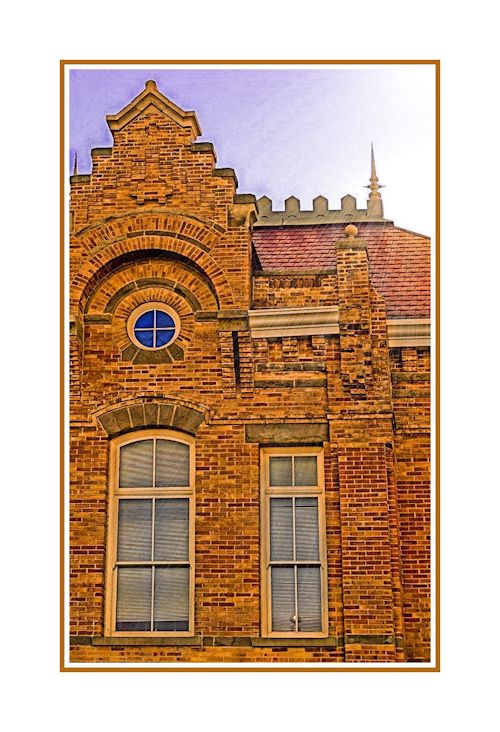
75 164
374 172
375 205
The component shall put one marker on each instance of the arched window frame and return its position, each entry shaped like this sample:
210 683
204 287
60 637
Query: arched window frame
115 493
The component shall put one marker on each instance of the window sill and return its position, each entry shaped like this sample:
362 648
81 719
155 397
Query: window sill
297 642
235 640
209 641
195 640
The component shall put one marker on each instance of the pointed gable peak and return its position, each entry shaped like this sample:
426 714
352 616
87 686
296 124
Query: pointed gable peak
151 95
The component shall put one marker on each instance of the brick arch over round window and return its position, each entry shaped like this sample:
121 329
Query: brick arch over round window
136 270
163 414
108 253
179 223
159 278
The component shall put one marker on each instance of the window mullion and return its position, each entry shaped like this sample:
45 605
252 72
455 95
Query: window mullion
152 596
294 544
153 515
154 460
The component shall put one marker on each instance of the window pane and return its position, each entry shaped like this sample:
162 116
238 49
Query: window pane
280 471
133 605
172 463
136 464
281 529
306 529
163 320
163 337
145 337
134 530
283 598
145 320
171 529
309 594
306 470
171 604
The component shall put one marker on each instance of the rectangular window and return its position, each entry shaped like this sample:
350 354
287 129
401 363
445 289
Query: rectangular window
293 543
150 576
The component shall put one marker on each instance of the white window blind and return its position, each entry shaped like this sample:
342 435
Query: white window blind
153 565
296 585
295 567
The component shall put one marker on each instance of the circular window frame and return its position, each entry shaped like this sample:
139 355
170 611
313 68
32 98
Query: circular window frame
145 307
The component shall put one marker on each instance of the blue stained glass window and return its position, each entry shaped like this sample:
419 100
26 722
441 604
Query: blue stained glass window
154 328
164 320
163 337
146 337
146 320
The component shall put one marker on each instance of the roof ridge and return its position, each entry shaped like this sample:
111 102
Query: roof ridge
410 231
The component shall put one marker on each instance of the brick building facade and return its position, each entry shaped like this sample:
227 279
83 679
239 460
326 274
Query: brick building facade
250 414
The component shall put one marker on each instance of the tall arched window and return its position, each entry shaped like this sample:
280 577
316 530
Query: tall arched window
150 560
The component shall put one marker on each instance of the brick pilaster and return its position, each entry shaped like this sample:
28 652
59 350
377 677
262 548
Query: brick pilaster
354 314
366 549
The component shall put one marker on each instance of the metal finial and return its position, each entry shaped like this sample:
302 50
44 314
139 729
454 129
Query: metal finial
374 184
75 164
375 206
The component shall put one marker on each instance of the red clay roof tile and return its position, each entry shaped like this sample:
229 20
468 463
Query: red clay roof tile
399 260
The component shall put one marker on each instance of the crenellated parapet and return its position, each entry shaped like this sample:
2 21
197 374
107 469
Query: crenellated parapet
348 212
294 214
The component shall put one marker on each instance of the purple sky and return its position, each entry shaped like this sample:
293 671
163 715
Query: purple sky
301 132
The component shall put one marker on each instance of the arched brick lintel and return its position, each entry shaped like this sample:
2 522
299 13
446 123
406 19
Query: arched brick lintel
121 263
205 230
139 246
151 415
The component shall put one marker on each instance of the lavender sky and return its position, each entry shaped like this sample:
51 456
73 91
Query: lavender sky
293 131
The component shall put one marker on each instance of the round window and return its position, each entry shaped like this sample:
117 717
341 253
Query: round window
153 326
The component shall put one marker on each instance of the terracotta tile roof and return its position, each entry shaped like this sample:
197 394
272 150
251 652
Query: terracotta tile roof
399 260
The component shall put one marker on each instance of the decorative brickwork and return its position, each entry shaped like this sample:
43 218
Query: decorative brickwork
156 222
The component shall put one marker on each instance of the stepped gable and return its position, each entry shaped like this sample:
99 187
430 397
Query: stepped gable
399 260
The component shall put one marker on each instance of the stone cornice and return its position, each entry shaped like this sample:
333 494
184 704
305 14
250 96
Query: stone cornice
409 332
285 322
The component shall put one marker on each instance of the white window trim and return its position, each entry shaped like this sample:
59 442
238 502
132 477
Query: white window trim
268 492
115 493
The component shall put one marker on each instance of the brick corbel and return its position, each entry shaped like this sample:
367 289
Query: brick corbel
243 210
